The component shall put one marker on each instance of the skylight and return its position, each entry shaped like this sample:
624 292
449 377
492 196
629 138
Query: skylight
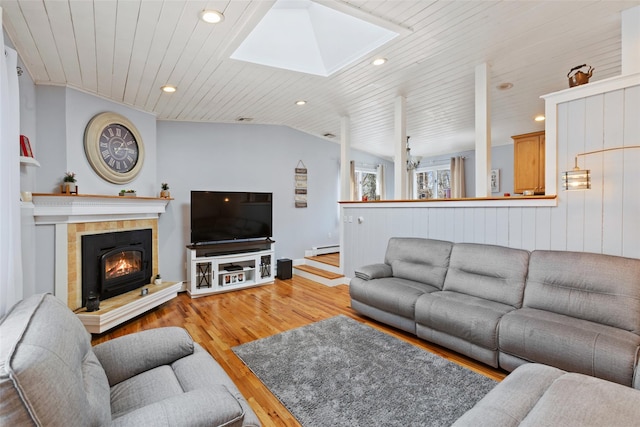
308 37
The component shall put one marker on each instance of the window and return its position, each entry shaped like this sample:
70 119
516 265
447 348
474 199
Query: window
367 183
433 182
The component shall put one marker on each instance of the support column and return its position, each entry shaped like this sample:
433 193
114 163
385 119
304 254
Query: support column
631 41
400 179
345 150
483 131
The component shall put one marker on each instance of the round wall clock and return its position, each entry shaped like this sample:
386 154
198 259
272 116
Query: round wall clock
114 147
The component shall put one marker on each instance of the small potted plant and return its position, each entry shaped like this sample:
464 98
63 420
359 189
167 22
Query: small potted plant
69 183
128 193
165 190
158 280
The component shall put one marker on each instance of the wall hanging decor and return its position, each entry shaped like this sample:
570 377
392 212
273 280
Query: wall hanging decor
301 185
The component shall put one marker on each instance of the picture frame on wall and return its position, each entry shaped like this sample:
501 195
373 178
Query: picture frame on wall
495 180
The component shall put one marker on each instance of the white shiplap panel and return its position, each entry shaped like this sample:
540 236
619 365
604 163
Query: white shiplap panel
502 227
18 31
529 230
100 45
478 225
35 14
469 225
594 134
420 222
565 163
84 27
64 37
631 167
610 173
169 17
146 28
515 227
127 16
491 226
576 199
458 218
542 226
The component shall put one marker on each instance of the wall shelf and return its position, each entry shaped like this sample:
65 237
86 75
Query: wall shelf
29 161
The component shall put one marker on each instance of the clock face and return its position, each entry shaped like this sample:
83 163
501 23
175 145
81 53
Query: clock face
118 148
114 147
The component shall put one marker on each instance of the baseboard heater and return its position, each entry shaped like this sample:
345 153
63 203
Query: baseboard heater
322 250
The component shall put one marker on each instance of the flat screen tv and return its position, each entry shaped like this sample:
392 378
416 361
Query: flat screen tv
219 216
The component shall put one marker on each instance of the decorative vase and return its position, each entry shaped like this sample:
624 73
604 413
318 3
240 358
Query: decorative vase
69 188
93 302
165 194
158 281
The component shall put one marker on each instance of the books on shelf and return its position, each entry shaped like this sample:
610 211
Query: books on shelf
25 147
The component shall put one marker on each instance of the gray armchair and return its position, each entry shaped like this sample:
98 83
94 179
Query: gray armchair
50 375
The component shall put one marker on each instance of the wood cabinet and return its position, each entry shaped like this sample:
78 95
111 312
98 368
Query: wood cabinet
528 162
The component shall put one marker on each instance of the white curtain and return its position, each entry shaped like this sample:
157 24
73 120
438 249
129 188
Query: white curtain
457 178
10 247
382 188
352 177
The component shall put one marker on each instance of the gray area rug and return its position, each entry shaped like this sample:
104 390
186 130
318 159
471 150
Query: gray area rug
340 372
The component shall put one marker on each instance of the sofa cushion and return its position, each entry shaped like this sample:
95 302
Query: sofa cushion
421 260
571 344
538 395
600 288
464 316
489 272
392 294
48 371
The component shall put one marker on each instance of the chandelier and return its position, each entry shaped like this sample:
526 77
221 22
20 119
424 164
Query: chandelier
412 163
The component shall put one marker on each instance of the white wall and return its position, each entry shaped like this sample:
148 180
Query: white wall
241 157
62 116
601 220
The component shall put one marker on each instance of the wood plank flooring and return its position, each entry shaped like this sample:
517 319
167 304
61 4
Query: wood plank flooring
331 259
220 322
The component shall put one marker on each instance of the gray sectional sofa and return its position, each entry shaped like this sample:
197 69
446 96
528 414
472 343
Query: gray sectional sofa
540 395
505 307
50 375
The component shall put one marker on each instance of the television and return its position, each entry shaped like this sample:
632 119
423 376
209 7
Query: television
223 216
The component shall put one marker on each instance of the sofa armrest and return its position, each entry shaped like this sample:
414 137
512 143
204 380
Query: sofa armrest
374 271
130 355
211 406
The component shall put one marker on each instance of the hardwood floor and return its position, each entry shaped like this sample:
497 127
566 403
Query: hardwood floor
222 321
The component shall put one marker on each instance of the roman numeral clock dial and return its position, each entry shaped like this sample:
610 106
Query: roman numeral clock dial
114 147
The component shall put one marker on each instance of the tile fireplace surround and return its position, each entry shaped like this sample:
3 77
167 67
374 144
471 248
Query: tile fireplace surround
78 215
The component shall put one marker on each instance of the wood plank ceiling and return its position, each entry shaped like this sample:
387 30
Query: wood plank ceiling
125 50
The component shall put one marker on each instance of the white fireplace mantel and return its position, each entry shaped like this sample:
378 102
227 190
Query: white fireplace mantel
68 209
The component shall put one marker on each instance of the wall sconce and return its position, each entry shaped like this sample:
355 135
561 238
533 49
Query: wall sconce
580 179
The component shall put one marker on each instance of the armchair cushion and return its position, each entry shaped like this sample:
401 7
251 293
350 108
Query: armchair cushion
211 406
130 355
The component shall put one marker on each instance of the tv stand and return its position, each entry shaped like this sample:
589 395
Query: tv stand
229 266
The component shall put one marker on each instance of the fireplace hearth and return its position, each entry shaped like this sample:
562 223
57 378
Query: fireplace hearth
116 263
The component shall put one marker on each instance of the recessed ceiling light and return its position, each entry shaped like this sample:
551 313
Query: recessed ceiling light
168 88
505 86
379 61
301 102
539 118
211 16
